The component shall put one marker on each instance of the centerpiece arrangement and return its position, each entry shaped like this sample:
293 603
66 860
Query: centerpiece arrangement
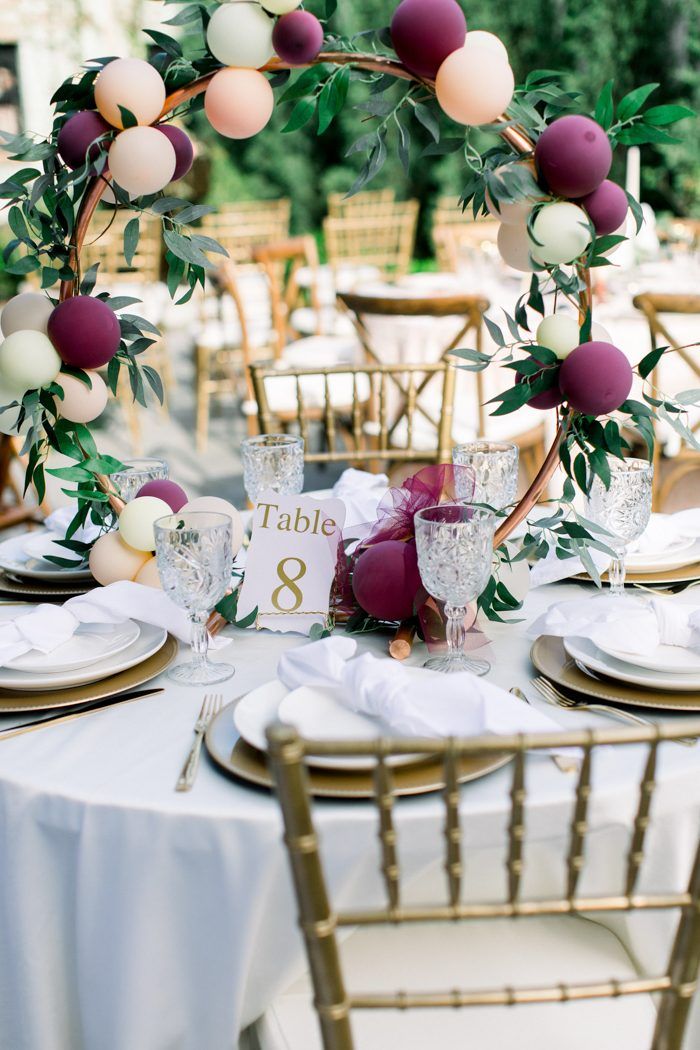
545 178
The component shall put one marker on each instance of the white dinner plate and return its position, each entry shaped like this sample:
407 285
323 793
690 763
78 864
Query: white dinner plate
13 559
685 551
671 659
592 657
149 641
90 643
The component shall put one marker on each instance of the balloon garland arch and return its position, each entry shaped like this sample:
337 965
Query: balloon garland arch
560 217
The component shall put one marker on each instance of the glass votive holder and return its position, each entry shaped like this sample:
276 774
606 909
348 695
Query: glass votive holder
138 472
273 463
494 465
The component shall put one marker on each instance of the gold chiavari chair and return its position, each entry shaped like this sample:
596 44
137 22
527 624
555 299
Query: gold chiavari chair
354 409
658 310
281 261
243 226
384 242
605 1001
361 205
447 211
459 243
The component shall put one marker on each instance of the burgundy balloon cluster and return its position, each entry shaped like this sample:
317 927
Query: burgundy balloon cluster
425 32
86 133
595 378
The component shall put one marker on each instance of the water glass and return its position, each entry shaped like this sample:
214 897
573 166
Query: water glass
624 509
495 468
273 462
455 554
137 473
195 559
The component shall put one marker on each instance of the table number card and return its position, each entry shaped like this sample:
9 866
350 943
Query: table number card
291 561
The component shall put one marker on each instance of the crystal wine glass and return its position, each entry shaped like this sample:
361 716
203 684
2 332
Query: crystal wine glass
624 509
495 468
136 474
195 560
273 462
455 551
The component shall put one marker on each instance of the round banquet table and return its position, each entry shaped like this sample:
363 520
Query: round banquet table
135 918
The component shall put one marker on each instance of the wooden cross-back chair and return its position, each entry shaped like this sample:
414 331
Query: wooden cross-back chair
347 1018
281 261
657 308
355 410
385 242
368 202
457 243
243 226
14 507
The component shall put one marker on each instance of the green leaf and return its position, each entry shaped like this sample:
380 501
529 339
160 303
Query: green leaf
426 117
660 116
604 110
128 118
301 115
647 365
332 98
633 102
132 232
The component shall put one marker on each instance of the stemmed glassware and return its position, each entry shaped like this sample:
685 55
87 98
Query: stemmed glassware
455 553
624 509
273 462
139 472
495 468
195 559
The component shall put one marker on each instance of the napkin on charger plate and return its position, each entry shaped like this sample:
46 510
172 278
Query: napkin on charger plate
635 624
41 544
49 626
361 492
409 701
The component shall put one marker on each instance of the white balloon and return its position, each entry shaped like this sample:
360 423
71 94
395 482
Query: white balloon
560 233
515 213
515 247
559 333
27 312
480 38
600 334
241 35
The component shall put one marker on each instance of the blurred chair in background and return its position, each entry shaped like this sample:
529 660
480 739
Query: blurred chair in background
368 203
385 243
241 227
459 244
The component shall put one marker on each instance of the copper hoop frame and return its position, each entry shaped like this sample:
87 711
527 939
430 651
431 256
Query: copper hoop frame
516 138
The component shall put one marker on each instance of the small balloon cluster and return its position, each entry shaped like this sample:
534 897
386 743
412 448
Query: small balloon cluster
127 553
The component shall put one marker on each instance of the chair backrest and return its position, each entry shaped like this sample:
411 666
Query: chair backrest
320 921
386 241
368 413
244 226
105 245
447 211
368 202
457 244
282 260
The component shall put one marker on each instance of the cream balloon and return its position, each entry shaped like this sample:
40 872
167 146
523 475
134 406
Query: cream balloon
9 416
559 333
600 334
281 7
28 361
216 505
488 41
142 161
28 312
148 575
239 102
515 248
515 213
474 85
112 560
81 403
137 519
109 197
135 86
560 233
241 35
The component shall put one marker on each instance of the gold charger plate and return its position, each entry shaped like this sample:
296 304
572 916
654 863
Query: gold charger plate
667 577
551 660
14 702
40 588
243 762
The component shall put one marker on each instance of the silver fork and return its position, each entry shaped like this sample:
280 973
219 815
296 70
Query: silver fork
210 708
558 699
566 765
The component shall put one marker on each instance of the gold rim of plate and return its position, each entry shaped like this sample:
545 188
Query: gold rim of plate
15 703
243 762
553 662
684 574
42 589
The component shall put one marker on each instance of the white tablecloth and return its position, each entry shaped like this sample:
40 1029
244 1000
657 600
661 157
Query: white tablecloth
135 918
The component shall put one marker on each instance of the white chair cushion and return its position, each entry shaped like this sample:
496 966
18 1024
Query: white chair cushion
222 335
330 322
282 391
476 955
321 351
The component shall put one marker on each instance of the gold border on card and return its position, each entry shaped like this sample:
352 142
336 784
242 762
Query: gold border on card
551 660
13 702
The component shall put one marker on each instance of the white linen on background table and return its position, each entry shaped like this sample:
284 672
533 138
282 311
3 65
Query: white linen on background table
133 918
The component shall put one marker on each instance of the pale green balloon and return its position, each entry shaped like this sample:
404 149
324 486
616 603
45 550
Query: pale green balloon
240 35
559 333
28 361
281 7
560 233
137 519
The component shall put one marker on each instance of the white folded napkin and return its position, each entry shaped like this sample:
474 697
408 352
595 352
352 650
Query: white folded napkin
634 624
50 626
41 544
361 492
409 701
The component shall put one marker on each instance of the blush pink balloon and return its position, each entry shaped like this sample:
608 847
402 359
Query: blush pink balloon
298 37
82 403
142 161
168 491
607 207
77 136
386 580
239 102
573 155
596 378
425 32
474 85
85 332
184 150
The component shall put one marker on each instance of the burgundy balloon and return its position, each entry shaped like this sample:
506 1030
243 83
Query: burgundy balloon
573 155
425 32
85 332
298 37
547 399
386 580
595 378
77 136
607 207
169 491
184 150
